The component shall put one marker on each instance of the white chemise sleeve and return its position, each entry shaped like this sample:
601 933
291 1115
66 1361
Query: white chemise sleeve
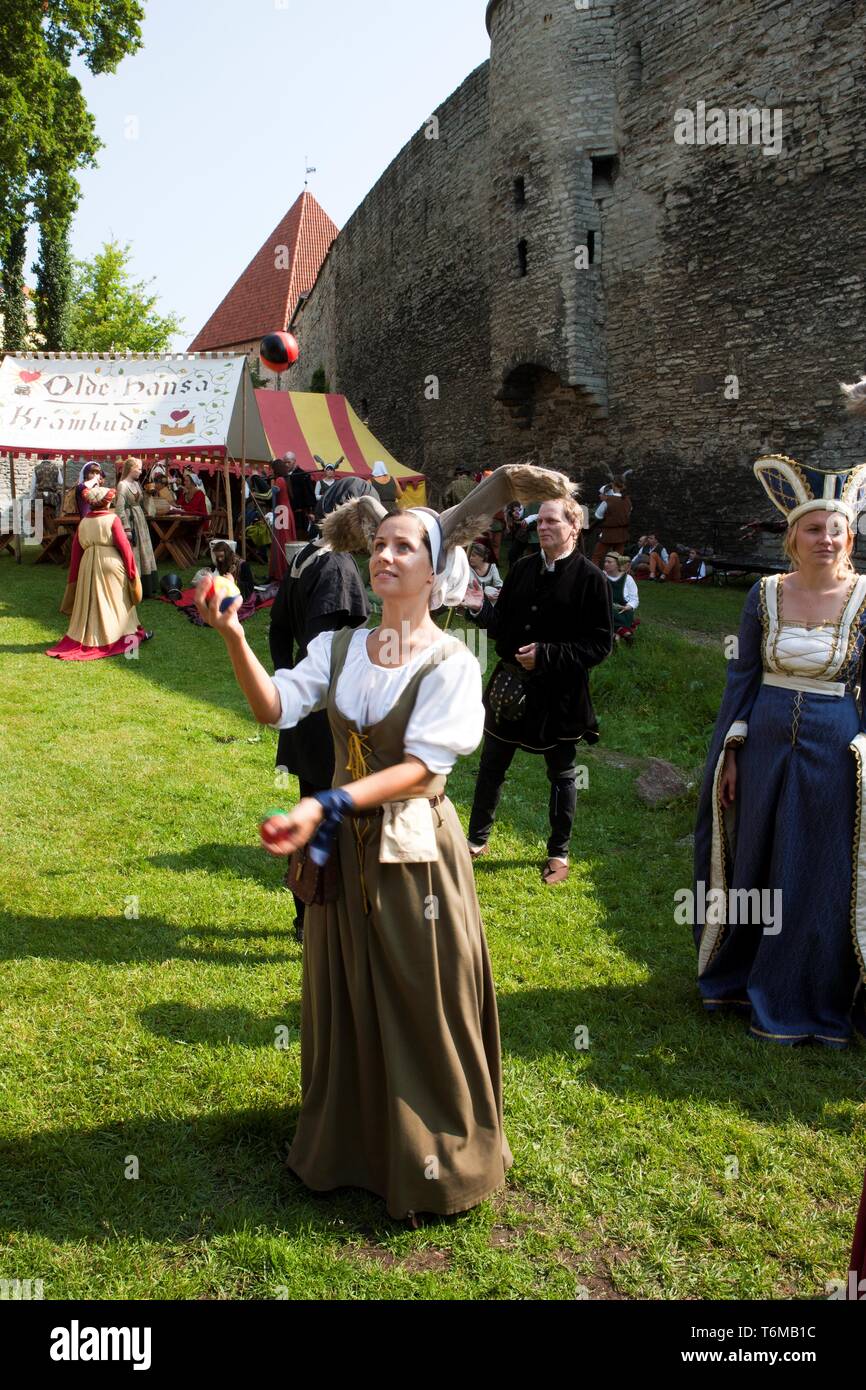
448 719
304 688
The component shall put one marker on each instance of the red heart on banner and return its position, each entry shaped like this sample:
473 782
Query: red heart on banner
179 414
30 376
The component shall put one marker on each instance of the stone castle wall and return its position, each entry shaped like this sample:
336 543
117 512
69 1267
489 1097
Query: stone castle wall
710 261
721 260
23 465
404 296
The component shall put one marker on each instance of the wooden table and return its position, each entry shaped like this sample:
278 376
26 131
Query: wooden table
7 538
57 544
175 535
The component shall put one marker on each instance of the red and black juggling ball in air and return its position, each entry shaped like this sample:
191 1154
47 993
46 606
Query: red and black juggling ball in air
278 351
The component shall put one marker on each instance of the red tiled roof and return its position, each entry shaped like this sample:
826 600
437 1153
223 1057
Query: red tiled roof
263 299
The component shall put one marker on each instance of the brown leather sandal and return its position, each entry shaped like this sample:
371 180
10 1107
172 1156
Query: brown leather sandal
554 873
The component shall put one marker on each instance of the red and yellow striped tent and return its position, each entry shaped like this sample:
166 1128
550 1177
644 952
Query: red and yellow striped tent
310 423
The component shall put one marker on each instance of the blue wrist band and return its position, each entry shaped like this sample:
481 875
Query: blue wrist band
336 804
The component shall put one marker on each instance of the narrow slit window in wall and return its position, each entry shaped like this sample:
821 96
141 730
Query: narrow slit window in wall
590 246
522 256
604 171
636 64
519 191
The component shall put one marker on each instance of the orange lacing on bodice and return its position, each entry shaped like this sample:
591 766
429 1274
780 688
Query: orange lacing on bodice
357 766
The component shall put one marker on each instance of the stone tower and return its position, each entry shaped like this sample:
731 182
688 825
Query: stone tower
553 162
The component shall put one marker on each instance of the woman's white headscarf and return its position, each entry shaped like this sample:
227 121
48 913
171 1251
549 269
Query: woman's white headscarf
199 486
449 588
452 570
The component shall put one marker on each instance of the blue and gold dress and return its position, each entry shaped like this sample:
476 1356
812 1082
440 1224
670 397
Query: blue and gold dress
780 876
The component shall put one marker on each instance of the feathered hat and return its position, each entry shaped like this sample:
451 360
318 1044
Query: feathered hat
353 526
796 489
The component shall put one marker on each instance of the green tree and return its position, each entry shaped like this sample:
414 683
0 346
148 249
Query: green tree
111 314
14 309
47 133
259 382
319 382
53 289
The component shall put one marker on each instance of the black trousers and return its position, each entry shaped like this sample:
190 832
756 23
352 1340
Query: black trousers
496 758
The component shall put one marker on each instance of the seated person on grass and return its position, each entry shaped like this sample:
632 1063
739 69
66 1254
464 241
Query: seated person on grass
624 594
694 571
661 568
640 562
228 561
481 560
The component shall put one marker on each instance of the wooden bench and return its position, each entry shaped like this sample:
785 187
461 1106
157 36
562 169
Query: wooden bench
723 566
57 540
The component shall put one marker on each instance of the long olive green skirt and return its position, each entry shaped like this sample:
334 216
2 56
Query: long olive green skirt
401 1069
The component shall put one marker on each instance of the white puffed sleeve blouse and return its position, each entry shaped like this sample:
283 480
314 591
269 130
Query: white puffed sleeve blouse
446 723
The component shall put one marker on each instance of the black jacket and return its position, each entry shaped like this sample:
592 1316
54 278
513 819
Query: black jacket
322 592
302 490
567 611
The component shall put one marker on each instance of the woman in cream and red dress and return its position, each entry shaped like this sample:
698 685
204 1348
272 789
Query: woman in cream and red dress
103 588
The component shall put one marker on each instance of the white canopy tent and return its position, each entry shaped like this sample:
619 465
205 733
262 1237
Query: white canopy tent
157 405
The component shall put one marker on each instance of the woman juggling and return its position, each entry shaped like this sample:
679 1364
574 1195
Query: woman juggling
400 1055
780 844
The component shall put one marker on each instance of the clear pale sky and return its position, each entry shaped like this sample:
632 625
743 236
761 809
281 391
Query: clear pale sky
229 97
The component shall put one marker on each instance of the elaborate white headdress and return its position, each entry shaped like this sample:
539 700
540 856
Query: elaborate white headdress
797 489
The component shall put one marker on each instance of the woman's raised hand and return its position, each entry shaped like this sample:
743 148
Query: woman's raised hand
283 834
207 602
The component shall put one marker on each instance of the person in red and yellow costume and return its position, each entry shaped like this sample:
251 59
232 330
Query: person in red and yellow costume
103 588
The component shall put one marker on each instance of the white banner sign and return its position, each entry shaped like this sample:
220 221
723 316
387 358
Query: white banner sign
125 405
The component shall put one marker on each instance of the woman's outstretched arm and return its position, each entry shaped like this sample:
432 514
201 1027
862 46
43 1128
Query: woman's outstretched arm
260 691
289 832
395 783
253 679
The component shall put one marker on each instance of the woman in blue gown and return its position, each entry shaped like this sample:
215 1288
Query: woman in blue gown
780 842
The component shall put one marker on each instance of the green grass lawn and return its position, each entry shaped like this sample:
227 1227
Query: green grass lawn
149 968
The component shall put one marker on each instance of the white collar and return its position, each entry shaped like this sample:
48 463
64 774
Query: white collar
551 566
